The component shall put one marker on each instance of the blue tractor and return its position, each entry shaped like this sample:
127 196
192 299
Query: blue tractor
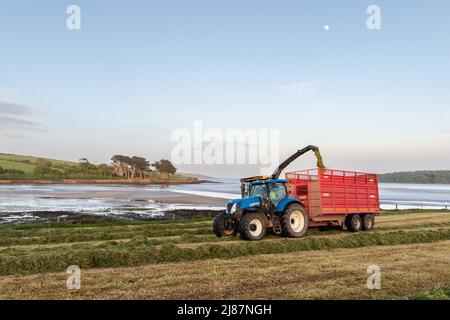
265 205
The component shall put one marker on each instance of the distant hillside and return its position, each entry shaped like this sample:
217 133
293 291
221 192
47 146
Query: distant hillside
427 176
18 168
24 163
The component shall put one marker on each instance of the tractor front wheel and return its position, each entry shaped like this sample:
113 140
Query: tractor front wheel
294 221
252 227
222 226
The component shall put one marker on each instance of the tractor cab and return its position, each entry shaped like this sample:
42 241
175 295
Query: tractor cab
260 194
270 191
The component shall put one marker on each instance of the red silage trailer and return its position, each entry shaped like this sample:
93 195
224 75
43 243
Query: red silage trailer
336 197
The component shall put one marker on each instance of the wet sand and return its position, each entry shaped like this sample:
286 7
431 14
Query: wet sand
157 195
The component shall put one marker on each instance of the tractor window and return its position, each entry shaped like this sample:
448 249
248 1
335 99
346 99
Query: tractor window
259 190
277 191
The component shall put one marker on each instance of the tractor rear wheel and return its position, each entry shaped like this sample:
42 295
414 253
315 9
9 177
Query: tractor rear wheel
221 227
294 221
368 221
252 227
354 223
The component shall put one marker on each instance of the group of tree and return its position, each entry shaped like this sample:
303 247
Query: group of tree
137 167
165 167
130 167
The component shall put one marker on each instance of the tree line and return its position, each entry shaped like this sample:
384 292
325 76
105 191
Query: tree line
426 176
136 167
127 167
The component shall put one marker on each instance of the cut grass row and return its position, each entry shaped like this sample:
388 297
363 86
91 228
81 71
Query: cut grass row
176 229
140 251
195 236
149 226
168 223
96 224
101 235
187 233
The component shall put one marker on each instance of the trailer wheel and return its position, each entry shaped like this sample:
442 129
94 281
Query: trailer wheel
294 221
252 227
368 221
354 223
221 227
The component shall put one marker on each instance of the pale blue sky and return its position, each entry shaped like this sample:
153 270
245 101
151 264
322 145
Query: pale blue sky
137 70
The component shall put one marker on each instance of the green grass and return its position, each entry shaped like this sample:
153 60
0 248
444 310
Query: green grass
18 158
17 162
7 164
95 224
437 294
194 231
99 235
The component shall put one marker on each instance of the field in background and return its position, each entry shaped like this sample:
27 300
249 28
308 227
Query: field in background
24 163
183 260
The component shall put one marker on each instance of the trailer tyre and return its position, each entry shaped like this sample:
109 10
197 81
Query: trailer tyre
354 223
221 227
294 221
252 227
368 221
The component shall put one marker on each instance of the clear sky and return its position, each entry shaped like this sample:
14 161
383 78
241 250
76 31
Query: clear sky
376 100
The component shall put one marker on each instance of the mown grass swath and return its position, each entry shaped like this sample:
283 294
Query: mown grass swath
139 250
96 235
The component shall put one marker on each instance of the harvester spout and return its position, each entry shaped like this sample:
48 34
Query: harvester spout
276 174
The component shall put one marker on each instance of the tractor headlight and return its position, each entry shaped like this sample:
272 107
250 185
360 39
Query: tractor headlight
233 208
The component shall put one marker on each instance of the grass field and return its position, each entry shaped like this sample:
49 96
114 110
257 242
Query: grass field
183 260
17 162
24 163
7 164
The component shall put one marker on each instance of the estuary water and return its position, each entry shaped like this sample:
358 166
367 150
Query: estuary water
22 202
